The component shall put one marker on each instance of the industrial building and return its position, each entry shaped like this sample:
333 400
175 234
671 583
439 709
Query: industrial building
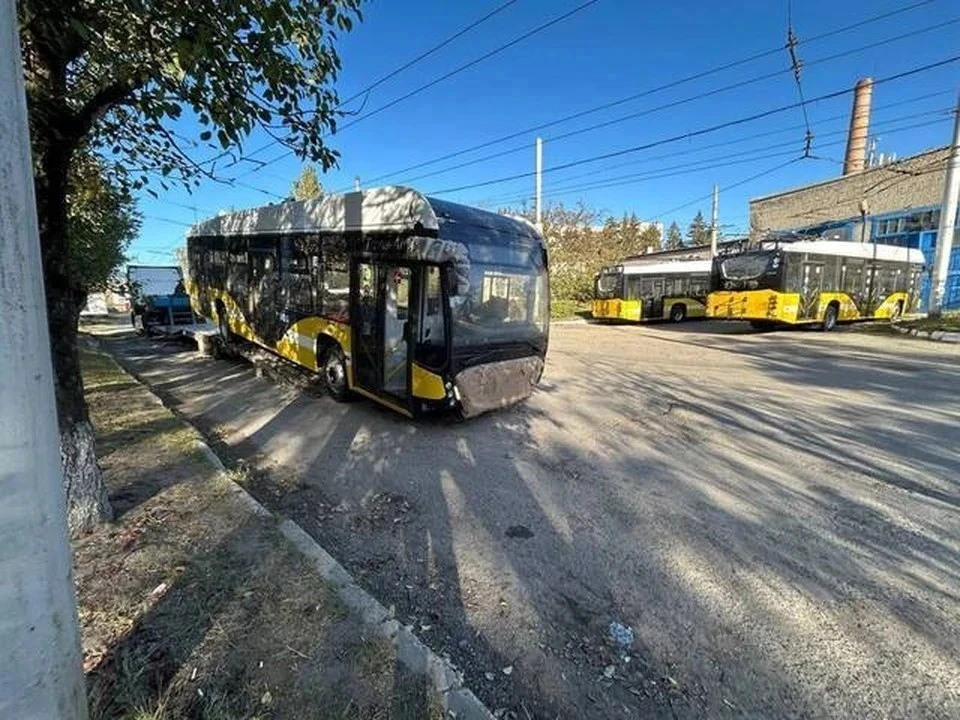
896 203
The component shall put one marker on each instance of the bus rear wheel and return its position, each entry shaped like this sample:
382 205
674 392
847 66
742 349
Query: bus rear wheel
830 317
335 373
897 311
678 313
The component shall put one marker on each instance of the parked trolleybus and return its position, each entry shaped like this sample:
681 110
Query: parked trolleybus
417 303
815 282
650 290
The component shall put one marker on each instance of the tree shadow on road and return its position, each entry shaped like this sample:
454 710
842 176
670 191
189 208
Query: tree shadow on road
665 505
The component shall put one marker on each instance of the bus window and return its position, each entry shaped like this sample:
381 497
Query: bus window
335 297
646 287
632 288
236 269
431 348
698 286
831 270
793 273
853 280
300 268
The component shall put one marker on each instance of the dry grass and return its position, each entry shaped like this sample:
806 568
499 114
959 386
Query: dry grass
191 606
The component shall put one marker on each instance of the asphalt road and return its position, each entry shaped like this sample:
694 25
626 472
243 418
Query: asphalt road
774 514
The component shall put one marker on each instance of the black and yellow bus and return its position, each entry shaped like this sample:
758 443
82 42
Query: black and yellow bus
814 282
418 303
651 290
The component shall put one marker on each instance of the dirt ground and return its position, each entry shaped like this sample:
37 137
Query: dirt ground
192 606
773 514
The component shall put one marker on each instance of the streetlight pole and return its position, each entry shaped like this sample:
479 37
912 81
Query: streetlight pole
40 663
948 221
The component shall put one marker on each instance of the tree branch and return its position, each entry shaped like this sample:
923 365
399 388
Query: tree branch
102 101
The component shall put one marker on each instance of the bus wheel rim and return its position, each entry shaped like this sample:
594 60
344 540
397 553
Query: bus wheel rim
334 372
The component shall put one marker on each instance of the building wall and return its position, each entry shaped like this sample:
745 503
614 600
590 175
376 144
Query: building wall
912 182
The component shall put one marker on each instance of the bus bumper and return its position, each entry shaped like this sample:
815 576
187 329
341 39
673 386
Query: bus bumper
615 309
766 305
498 384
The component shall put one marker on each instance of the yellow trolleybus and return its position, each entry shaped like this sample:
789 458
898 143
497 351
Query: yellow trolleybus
418 303
650 290
814 282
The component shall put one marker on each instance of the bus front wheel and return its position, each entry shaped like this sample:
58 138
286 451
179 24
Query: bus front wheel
830 317
335 373
678 313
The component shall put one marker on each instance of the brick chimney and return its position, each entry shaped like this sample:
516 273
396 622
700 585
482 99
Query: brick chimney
856 157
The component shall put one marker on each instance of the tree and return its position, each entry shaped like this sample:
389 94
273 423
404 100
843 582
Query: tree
102 220
699 231
113 76
674 237
307 186
649 239
581 242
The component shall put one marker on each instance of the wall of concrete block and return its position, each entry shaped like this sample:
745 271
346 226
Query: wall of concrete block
909 183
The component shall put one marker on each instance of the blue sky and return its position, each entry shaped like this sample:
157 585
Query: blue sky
608 51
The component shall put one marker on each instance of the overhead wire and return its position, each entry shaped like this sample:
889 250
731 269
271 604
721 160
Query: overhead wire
675 83
723 161
389 76
731 186
796 65
456 71
768 133
424 55
625 179
692 98
696 133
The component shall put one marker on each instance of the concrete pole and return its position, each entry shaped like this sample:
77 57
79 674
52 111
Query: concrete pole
40 663
948 221
713 222
539 185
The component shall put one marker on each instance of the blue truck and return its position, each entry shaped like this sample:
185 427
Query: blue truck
158 297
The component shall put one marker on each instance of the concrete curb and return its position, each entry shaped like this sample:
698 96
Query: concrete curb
936 335
457 700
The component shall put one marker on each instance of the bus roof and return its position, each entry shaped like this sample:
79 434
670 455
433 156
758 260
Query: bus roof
847 248
384 210
669 267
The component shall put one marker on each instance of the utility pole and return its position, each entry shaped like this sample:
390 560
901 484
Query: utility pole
713 223
948 221
40 664
539 188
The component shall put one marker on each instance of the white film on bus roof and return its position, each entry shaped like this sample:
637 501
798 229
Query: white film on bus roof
443 289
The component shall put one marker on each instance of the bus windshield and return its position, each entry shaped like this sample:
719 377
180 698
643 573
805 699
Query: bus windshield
749 266
608 284
507 300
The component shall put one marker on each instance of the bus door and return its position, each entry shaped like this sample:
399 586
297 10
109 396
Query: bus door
656 300
810 288
381 327
263 296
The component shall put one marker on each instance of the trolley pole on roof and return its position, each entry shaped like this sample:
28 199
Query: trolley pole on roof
713 224
539 185
41 664
948 221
